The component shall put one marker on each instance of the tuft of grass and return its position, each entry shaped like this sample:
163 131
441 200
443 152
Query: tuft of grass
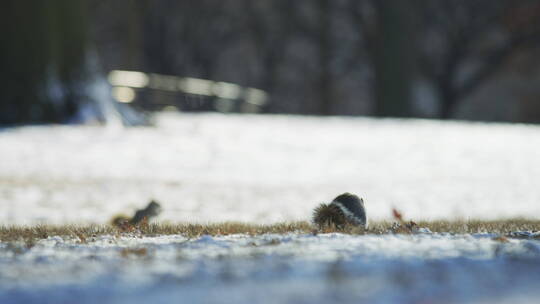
482 226
28 235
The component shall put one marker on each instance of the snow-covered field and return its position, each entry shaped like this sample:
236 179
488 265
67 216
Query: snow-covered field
267 169
263 169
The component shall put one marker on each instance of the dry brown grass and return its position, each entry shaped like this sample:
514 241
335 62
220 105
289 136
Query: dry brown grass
480 226
29 234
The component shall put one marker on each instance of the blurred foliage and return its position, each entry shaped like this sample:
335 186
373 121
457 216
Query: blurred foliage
472 59
42 56
423 58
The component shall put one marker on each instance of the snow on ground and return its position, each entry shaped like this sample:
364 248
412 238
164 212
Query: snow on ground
264 169
292 268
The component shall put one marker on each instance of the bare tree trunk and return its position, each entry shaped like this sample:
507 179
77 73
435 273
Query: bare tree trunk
43 59
394 58
325 57
448 101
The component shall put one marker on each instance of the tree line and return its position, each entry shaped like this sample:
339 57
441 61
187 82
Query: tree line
419 58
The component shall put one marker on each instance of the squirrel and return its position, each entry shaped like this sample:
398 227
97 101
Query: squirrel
152 209
345 209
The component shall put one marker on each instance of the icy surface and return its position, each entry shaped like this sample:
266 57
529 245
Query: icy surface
264 169
292 268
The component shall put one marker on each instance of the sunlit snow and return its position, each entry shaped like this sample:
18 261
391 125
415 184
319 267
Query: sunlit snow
291 268
264 169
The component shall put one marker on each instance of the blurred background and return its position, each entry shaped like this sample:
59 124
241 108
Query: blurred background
116 63
66 61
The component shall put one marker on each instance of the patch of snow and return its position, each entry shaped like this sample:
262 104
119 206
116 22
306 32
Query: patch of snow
291 268
422 230
268 168
526 234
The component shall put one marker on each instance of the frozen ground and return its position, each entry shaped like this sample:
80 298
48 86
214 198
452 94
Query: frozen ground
266 169
330 268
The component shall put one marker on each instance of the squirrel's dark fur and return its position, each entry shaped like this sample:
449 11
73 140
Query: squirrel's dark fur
345 209
152 210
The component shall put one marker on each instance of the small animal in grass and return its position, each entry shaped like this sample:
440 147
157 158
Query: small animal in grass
346 209
120 220
152 209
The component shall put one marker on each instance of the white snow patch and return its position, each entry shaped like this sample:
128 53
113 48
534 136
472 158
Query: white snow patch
292 268
265 169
